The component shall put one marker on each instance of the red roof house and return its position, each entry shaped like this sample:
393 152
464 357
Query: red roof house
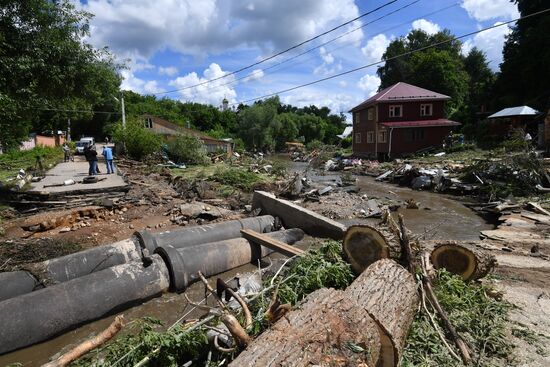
398 120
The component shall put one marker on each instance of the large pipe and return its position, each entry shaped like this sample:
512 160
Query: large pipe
68 267
216 257
195 235
40 315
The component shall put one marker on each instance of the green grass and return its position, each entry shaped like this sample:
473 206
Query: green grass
12 162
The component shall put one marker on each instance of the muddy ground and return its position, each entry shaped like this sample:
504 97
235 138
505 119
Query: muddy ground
154 199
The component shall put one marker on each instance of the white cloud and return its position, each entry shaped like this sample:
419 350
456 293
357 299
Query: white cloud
133 83
140 28
256 74
212 93
375 48
490 42
337 102
369 84
326 56
426 26
169 70
481 10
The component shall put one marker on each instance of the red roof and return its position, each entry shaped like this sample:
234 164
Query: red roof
402 92
421 123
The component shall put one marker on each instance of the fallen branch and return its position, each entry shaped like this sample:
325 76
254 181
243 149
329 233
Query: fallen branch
88 345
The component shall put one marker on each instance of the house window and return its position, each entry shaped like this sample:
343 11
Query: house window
414 134
382 136
370 114
396 111
357 138
370 137
426 109
149 123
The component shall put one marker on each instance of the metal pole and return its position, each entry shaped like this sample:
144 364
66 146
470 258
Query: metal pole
69 129
123 112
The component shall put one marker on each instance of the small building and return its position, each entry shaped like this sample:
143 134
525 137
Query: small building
167 128
399 120
504 121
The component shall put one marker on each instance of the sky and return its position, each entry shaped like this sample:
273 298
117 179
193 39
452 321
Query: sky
170 46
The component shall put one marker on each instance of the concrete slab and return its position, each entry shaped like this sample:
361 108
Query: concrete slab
294 216
76 171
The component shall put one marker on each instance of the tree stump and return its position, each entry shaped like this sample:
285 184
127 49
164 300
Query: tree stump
462 258
365 325
363 245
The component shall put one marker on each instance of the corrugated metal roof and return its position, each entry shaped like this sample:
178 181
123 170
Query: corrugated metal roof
347 132
421 123
515 111
402 92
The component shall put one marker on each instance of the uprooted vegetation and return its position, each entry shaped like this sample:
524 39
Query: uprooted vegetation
34 160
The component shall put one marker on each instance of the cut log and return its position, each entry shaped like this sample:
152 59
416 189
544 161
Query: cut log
462 258
363 245
365 325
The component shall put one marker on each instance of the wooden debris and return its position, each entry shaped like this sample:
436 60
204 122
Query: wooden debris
88 345
271 243
365 324
466 260
363 245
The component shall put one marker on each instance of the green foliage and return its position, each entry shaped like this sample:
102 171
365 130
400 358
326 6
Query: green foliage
237 177
525 76
480 319
139 141
46 64
13 161
460 148
187 149
176 346
537 340
313 145
323 268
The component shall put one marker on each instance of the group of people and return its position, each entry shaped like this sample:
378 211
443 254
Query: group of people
90 153
91 156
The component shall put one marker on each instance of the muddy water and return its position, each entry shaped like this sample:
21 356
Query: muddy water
440 216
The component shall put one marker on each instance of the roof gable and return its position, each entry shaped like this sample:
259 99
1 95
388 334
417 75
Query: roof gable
401 92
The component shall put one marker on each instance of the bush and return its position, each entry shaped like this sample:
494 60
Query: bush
187 149
139 142
237 177
314 144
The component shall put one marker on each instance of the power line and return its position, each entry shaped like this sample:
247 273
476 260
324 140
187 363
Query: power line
281 52
334 39
391 58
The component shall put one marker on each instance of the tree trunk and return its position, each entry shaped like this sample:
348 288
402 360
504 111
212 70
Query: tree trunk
364 245
462 258
365 325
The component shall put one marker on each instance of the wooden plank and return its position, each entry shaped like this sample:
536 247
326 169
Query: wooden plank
271 243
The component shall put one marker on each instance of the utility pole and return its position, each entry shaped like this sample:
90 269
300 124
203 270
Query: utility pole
123 112
69 129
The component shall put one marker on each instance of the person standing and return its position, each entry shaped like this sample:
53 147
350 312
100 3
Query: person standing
66 153
91 156
108 154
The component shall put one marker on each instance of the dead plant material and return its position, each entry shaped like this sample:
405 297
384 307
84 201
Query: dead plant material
88 345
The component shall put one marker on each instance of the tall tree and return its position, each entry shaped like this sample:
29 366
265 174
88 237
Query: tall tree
525 71
44 64
481 84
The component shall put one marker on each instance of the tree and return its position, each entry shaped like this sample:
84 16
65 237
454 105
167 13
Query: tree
46 68
439 68
525 75
481 83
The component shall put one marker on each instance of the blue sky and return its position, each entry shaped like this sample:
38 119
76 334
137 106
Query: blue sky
175 44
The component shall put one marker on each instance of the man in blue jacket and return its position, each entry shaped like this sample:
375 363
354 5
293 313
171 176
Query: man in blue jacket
108 154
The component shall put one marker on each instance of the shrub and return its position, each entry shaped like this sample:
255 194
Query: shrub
187 149
237 177
314 144
139 142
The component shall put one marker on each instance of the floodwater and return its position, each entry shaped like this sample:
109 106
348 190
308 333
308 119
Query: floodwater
440 217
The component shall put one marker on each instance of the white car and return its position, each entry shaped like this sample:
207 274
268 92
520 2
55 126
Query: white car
83 143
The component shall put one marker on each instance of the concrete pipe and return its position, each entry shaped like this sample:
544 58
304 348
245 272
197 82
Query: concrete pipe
68 267
15 283
40 315
216 257
195 235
